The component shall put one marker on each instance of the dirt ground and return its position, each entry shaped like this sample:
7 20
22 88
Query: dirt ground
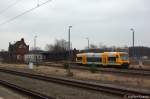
127 80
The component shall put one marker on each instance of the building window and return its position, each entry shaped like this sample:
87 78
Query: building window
18 57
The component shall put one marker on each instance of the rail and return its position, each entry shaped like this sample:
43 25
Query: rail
137 72
108 88
33 94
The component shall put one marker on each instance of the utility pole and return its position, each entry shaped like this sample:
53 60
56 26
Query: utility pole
69 50
133 51
37 2
88 42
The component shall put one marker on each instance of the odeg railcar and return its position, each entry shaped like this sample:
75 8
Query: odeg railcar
106 59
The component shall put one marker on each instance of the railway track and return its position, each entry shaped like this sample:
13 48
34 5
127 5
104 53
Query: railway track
32 94
136 72
108 88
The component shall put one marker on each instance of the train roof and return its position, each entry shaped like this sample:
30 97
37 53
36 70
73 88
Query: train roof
116 52
99 54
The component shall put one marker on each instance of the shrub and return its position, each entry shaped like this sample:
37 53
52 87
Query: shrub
66 65
93 68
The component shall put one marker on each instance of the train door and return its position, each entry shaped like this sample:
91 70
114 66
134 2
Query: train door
104 59
84 59
117 58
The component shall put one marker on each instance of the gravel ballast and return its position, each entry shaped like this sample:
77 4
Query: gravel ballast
55 90
6 93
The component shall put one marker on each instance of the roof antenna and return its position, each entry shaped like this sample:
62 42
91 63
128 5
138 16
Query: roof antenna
37 2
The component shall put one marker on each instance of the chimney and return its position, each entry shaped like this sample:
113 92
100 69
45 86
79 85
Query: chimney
22 39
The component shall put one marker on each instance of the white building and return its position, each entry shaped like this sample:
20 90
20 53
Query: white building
35 57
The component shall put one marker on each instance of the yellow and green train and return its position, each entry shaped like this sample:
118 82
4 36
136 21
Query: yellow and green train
106 59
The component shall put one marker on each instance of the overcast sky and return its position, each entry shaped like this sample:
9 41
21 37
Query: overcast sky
103 21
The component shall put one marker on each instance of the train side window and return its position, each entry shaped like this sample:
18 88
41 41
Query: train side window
100 59
97 59
117 56
89 59
94 59
112 59
79 58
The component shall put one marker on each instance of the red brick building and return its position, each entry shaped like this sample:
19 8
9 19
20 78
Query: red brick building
17 51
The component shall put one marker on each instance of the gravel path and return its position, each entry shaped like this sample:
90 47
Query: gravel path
55 90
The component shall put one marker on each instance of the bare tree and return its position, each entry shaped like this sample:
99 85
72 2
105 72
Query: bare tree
37 48
49 47
102 46
59 46
2 50
92 46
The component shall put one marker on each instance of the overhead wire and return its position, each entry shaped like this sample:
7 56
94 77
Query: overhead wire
39 5
9 6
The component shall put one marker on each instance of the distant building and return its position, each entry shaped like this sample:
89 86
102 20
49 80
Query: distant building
35 56
17 51
4 56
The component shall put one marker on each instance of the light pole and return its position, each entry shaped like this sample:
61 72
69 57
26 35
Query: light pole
133 51
69 38
35 58
35 42
88 42
69 48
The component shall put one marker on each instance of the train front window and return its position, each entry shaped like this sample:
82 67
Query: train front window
124 57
